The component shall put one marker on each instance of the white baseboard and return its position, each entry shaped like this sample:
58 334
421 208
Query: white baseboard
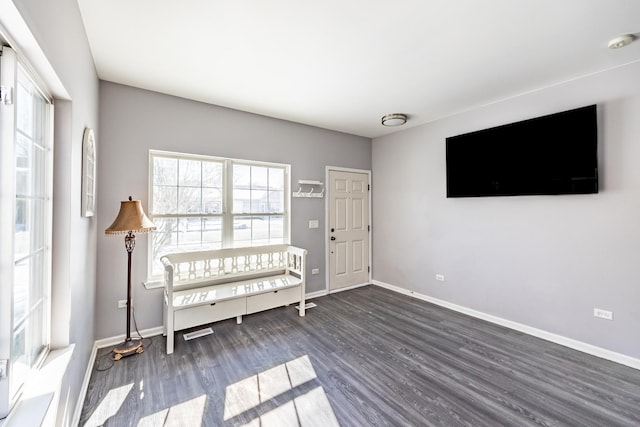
539 333
316 294
107 342
85 386
348 288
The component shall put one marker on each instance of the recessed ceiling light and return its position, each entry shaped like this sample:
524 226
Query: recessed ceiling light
395 119
621 41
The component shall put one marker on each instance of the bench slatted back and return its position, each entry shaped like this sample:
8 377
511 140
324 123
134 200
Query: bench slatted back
203 268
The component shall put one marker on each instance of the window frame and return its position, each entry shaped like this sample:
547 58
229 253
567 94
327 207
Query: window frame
227 214
17 72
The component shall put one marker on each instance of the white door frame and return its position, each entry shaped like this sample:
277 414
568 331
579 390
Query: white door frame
326 225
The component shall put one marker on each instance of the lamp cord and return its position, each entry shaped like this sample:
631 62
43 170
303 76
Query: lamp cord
108 357
135 325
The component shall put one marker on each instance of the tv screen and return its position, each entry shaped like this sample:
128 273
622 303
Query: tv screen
554 154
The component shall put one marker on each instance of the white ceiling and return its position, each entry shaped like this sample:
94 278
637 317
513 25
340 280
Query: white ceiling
343 64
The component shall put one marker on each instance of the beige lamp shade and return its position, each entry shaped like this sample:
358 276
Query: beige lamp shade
130 218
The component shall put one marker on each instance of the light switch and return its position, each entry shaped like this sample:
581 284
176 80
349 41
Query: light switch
313 223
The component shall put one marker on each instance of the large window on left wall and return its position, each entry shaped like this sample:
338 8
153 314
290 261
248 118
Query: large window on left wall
26 172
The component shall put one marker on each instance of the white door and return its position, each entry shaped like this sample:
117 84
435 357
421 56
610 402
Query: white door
348 229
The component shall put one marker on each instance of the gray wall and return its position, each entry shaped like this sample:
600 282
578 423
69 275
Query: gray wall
60 33
542 261
133 121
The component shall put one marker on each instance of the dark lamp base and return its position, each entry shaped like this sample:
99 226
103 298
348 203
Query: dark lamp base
127 348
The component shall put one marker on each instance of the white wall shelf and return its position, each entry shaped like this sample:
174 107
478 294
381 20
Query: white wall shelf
309 188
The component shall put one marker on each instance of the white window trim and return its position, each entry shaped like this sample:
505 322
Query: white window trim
7 154
227 213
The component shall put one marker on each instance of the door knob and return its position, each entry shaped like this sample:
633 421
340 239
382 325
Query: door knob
333 237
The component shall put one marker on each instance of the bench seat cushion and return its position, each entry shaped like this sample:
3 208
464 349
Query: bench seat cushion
221 292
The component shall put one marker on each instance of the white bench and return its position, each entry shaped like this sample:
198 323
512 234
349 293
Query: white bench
207 286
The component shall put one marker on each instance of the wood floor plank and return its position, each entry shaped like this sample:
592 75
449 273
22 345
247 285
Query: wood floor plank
364 357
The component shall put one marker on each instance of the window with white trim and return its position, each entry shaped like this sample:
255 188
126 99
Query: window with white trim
203 202
26 165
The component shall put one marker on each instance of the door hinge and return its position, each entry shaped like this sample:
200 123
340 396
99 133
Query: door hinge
368 269
369 187
368 228
6 95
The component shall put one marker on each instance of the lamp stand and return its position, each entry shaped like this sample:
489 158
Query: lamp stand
129 346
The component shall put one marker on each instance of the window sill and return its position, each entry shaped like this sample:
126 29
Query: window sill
153 284
38 404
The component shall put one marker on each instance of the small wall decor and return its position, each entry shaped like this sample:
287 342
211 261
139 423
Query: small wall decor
88 173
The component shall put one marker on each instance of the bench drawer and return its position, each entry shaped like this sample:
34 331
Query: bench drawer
203 314
273 299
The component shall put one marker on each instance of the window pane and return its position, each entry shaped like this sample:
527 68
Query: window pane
212 233
189 173
189 200
165 200
276 179
259 177
276 201
165 171
259 202
276 229
164 240
21 273
212 200
35 332
241 201
242 176
19 362
25 109
260 230
212 174
242 231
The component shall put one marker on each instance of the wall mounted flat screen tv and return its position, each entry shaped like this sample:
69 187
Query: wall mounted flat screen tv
554 154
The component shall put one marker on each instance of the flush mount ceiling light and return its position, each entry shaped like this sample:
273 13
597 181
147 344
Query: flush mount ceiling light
621 41
395 119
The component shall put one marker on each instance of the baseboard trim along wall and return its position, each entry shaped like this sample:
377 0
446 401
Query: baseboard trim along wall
106 342
538 333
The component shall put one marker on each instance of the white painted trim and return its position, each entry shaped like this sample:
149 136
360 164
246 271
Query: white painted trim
317 294
539 333
326 221
16 32
146 333
348 288
153 284
38 404
85 386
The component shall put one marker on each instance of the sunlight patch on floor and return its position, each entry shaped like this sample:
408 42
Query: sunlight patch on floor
189 413
109 405
256 395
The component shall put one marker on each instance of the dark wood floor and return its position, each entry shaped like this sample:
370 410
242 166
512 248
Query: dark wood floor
364 357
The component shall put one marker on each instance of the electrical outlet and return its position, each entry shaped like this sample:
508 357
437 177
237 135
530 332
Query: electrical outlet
122 303
440 277
313 223
603 314
315 271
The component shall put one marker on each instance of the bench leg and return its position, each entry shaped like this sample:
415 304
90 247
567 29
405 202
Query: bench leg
302 308
170 331
239 319
170 337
